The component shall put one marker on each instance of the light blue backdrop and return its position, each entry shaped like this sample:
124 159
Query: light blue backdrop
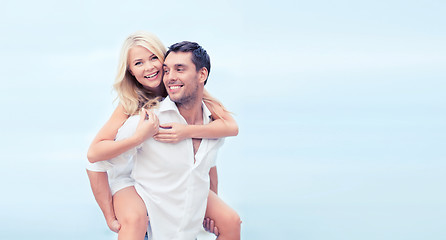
340 104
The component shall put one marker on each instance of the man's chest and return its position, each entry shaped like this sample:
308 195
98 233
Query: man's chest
196 144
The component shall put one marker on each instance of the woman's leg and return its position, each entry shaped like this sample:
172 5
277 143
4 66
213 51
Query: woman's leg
131 213
225 218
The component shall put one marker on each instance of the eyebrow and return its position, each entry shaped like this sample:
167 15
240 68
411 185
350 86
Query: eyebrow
140 59
176 65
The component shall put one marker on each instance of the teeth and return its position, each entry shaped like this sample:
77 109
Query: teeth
151 76
175 87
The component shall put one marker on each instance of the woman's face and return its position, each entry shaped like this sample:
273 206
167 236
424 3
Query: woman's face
145 67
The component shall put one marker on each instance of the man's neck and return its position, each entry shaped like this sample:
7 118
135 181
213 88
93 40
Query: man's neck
192 111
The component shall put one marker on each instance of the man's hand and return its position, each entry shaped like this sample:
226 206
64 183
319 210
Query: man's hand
209 226
114 225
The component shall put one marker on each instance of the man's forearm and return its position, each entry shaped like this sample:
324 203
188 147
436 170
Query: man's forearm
102 193
213 177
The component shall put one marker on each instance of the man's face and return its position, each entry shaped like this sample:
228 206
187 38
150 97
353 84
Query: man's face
181 77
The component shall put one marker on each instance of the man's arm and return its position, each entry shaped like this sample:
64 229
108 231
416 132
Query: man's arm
213 176
97 172
102 194
208 223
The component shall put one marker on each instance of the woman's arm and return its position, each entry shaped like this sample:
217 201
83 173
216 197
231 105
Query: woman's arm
175 132
224 125
105 147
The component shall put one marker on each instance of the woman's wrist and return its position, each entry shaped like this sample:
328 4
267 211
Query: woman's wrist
188 131
135 140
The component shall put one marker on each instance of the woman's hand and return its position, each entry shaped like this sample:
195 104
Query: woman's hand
147 127
172 133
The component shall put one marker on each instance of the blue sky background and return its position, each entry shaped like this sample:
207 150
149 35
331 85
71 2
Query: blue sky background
340 104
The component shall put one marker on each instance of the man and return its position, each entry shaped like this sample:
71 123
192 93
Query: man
177 203
173 179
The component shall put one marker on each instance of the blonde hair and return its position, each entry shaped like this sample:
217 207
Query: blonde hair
131 94
215 107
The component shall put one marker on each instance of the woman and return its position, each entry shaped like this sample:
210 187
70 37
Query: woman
139 86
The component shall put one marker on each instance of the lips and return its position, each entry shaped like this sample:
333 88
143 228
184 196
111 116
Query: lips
174 87
153 75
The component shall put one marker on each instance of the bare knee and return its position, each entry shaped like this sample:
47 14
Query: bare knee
233 220
229 226
134 220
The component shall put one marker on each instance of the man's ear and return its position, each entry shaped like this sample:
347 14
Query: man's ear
203 74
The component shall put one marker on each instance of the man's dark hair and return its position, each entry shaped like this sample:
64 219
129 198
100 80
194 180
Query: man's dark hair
199 56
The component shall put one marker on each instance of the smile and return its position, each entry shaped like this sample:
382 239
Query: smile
174 87
152 75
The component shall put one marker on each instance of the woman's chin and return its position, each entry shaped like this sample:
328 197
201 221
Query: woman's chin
156 88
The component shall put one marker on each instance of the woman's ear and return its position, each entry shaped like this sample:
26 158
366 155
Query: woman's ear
130 71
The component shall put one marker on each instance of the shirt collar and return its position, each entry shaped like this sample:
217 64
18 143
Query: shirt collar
169 105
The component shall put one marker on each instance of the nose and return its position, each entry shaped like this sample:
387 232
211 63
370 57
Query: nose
171 76
149 66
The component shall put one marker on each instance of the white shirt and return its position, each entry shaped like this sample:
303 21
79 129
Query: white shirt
173 187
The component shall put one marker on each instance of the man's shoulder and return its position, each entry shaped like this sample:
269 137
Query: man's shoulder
131 120
128 128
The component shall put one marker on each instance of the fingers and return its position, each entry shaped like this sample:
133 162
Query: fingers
142 115
216 231
150 116
154 118
211 226
145 114
118 225
165 138
165 131
166 125
115 226
206 224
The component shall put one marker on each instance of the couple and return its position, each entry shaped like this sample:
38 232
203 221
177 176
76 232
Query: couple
162 161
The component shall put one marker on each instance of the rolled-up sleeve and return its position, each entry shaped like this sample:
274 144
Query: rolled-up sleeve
212 154
126 130
102 166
